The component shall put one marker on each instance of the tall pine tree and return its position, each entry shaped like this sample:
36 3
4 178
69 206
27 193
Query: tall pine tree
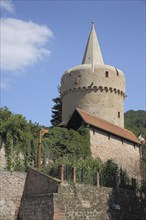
57 110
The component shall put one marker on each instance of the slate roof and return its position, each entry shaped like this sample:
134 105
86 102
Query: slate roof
106 126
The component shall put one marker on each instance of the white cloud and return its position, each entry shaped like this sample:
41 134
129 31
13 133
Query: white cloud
22 43
6 83
7 5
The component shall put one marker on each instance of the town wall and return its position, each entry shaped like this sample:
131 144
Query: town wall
123 152
63 201
143 161
38 183
11 190
3 159
82 202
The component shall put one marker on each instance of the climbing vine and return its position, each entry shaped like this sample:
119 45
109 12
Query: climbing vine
19 139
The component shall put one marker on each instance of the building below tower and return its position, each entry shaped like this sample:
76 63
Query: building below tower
108 141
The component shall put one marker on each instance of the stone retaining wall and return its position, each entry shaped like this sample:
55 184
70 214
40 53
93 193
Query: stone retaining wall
45 198
82 202
11 190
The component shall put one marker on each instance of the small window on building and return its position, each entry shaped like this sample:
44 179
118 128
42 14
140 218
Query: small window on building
117 72
106 74
118 114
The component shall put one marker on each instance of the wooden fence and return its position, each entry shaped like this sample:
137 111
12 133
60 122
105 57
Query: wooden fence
71 174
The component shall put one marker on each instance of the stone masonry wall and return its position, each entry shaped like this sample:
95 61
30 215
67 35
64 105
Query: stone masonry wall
3 160
69 202
84 202
123 152
81 202
93 92
143 161
38 183
39 207
11 190
37 200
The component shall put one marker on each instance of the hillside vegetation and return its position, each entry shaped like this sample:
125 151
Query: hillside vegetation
135 121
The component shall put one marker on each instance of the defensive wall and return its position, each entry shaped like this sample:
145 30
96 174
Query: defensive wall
123 152
46 198
11 191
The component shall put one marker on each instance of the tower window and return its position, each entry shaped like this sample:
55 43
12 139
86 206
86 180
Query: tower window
106 74
117 72
118 114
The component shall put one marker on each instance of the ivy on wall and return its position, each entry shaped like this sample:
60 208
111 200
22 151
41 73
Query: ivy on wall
19 139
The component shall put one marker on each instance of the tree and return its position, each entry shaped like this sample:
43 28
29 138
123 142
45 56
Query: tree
57 110
61 142
135 121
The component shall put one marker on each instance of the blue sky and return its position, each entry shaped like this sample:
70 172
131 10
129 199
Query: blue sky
42 39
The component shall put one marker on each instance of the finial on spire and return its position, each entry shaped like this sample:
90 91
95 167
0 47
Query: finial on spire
92 53
92 24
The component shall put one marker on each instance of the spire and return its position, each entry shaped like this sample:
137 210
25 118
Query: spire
92 53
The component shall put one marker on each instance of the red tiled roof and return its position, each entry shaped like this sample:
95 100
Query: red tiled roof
143 142
106 126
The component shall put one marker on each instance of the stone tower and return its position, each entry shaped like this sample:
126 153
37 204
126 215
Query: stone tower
94 87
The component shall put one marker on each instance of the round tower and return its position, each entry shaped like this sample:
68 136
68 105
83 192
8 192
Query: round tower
94 87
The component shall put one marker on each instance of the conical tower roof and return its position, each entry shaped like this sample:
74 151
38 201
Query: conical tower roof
92 53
